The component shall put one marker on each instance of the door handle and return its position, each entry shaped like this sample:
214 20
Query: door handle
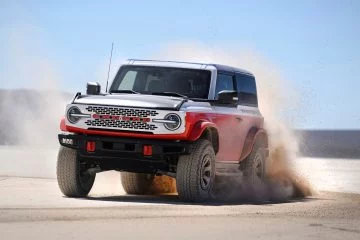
239 119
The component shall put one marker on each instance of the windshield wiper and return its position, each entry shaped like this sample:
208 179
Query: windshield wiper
124 91
174 94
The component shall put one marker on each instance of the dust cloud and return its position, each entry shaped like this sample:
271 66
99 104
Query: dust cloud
276 99
35 110
31 113
34 123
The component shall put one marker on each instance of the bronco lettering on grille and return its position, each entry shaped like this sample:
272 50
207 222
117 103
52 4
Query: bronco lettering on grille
122 118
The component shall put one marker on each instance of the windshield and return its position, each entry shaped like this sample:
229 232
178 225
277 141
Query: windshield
192 83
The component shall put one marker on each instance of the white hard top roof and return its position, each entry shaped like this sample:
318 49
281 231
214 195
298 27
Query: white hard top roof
179 64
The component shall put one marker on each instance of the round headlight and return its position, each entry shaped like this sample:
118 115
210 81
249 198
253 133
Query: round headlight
174 121
71 114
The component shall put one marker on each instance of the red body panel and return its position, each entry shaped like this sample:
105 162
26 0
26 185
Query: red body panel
63 125
232 130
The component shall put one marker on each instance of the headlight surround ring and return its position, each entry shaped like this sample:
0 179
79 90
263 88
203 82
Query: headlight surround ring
173 117
73 110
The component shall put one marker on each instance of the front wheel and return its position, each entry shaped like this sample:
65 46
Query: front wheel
195 174
72 179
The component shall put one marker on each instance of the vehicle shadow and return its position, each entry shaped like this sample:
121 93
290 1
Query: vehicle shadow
173 199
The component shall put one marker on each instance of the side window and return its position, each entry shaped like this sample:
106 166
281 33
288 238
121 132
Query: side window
246 88
128 80
224 82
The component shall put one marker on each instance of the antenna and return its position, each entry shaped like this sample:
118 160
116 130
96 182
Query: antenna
107 80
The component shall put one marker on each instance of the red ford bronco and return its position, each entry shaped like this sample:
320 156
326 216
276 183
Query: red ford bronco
191 121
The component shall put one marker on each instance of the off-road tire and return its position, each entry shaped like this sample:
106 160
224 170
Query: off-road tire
71 180
136 183
193 169
254 166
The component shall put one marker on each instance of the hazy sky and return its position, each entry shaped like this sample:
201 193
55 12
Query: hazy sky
315 44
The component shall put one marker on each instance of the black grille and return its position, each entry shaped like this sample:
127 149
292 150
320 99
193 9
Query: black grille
120 124
117 111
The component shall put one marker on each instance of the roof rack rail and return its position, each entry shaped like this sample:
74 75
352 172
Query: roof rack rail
152 60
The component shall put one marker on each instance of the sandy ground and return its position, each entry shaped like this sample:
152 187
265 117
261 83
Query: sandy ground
33 208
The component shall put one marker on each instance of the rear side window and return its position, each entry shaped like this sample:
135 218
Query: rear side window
246 88
224 82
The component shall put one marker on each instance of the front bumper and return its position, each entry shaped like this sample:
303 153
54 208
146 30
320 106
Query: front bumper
126 153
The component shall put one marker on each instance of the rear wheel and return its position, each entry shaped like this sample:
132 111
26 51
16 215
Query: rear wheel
72 178
195 174
254 166
136 183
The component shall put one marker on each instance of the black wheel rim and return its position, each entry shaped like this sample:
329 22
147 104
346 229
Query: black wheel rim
205 176
258 168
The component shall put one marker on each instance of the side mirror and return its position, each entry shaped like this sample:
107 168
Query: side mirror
93 88
227 97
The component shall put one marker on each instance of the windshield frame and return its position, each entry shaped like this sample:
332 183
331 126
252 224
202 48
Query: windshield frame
115 83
